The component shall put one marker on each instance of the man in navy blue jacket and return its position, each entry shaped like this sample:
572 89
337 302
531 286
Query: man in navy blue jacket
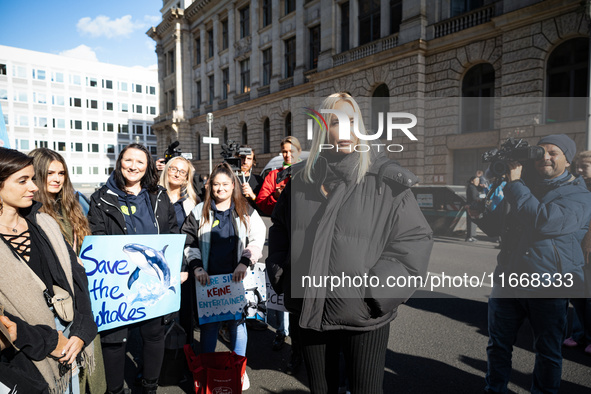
541 221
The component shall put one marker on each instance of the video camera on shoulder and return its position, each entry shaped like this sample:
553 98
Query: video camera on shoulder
511 150
231 152
172 151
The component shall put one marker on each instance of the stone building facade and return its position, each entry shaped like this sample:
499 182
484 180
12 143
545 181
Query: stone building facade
469 65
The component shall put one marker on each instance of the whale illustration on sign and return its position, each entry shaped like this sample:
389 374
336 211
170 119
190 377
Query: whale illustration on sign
151 262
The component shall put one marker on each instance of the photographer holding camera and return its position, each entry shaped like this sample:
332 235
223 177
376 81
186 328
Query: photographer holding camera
541 220
250 183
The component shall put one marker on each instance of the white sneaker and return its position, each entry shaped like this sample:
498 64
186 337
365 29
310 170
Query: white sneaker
245 382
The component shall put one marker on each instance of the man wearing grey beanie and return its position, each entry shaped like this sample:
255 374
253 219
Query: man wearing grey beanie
541 221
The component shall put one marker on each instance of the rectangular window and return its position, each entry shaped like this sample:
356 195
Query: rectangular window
395 15
225 34
76 124
108 127
289 6
40 121
77 170
41 144
171 100
290 57
75 80
123 86
75 102
369 21
150 130
124 107
59 123
198 89
2 69
138 129
211 80
245 22
3 94
93 148
198 51
39 74
225 83
153 150
5 119
314 46
57 77
245 76
210 43
110 148
58 100
462 6
39 98
93 170
152 90
345 27
92 126
21 96
76 146
23 120
92 82
267 12
267 66
19 72
107 84
108 105
152 110
170 63
61 146
137 88
123 129
137 109
93 104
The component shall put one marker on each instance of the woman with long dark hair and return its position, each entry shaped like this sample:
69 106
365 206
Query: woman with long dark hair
347 213
225 235
42 286
131 202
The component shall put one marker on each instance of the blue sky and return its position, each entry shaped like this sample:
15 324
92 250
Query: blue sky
110 31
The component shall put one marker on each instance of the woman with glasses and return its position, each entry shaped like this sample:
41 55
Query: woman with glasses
177 177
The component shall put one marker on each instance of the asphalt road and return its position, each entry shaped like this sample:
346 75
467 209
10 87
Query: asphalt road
437 343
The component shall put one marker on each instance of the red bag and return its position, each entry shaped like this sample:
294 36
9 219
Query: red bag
216 373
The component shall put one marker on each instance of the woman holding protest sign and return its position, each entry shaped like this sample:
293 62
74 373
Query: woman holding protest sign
42 286
131 202
225 235
356 218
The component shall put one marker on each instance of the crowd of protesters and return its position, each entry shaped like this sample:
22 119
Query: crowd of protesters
356 215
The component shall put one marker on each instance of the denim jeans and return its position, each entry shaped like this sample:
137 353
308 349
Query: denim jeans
581 331
278 320
548 319
238 337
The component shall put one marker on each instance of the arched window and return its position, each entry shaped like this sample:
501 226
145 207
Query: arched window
266 136
288 124
478 91
225 134
380 102
567 76
244 138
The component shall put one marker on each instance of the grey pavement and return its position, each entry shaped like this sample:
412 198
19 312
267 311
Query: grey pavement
437 343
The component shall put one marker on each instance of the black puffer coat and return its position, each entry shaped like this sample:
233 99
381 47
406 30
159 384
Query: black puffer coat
372 230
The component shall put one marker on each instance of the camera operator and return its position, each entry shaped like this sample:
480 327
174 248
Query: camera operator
251 183
541 220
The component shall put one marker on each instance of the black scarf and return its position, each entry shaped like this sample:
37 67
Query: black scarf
340 168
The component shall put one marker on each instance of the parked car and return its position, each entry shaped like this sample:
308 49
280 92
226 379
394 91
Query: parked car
84 202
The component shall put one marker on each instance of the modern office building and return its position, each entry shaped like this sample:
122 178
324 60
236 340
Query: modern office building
245 61
87 111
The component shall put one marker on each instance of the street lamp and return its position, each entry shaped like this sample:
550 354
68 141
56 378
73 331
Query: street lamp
210 121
